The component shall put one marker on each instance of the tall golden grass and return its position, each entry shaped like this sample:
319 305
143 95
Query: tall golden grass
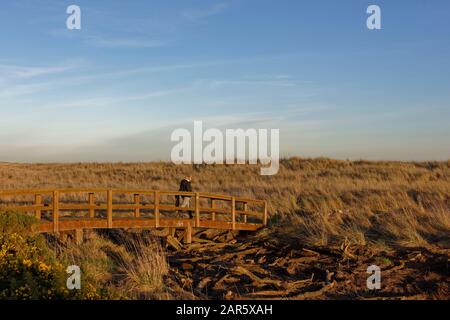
320 201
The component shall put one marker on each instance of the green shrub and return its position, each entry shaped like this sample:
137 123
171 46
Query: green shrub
28 268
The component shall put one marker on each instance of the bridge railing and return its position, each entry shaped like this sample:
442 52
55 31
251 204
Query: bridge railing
144 208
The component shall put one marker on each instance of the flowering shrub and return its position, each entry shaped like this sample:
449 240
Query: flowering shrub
28 269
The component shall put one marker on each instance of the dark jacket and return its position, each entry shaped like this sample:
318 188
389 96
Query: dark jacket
185 186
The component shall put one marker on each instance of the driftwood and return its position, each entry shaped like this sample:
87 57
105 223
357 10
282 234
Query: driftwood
173 242
263 269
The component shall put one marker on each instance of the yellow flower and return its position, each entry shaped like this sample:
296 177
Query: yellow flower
43 267
27 263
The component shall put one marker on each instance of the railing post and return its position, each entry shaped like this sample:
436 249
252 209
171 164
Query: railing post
91 203
213 206
137 210
188 234
37 202
245 212
78 235
265 213
233 213
156 209
55 211
197 209
109 207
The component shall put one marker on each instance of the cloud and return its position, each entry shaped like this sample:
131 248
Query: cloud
109 100
103 40
275 83
196 14
21 90
23 72
123 42
168 68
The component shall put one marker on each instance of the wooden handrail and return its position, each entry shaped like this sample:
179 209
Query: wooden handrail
18 192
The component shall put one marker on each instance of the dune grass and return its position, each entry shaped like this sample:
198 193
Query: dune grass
317 202
321 200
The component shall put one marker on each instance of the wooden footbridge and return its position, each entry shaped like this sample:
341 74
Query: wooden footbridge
78 209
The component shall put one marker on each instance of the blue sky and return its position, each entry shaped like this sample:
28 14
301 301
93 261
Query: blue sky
115 90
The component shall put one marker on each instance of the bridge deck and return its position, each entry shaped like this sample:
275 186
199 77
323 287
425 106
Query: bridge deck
77 209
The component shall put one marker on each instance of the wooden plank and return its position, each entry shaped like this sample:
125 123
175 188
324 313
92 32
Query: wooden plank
109 211
174 243
174 193
24 192
201 209
215 196
134 191
82 206
142 223
91 205
150 223
157 216
233 213
227 211
228 225
30 208
239 199
130 206
82 190
55 211
197 209
82 223
137 210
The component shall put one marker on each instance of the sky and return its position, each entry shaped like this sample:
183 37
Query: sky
137 70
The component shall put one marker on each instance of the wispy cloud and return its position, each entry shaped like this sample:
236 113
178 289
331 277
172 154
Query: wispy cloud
219 83
20 90
255 81
195 14
18 80
22 72
108 101
123 42
104 40
168 68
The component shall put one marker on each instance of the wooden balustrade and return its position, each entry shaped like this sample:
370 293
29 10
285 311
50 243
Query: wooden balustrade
103 212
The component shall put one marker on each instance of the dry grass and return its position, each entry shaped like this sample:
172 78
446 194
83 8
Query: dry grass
144 267
321 201
126 266
316 202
